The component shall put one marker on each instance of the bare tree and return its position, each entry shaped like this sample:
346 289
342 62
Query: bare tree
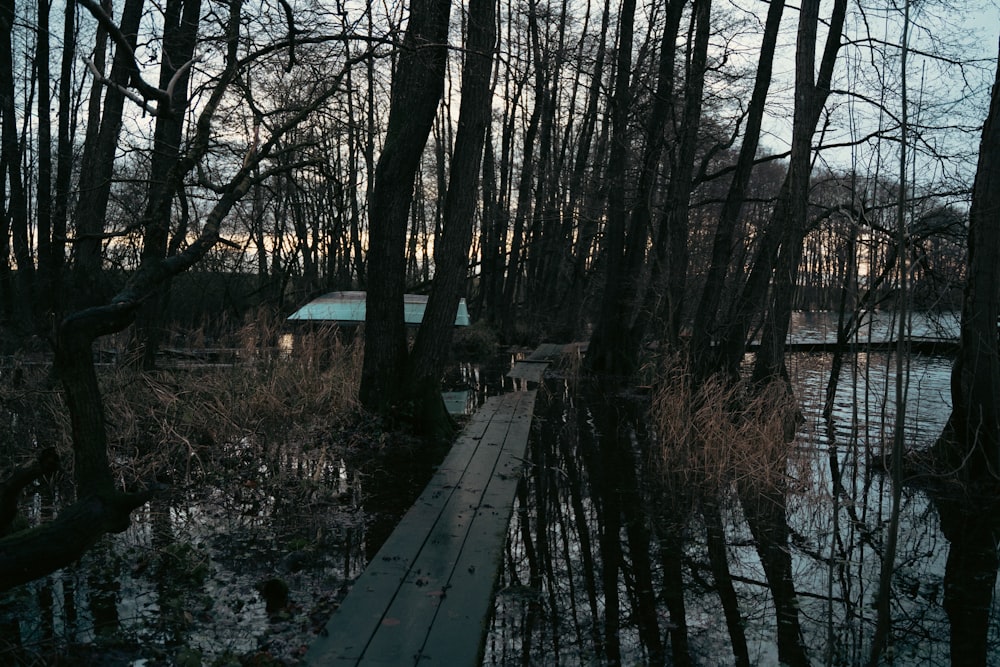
102 505
418 82
451 251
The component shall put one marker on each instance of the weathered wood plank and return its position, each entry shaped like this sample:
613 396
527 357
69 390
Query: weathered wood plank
386 617
527 370
464 611
362 611
546 352
408 619
532 368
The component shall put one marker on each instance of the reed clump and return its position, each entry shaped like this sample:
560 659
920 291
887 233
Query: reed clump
722 432
259 386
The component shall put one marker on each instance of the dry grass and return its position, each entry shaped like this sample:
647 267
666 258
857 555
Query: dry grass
721 433
181 416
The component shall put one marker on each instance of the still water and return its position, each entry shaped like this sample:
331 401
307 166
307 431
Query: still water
597 569
597 572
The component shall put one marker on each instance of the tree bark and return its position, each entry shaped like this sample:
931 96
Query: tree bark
607 355
968 450
45 291
97 167
180 32
787 226
17 198
64 163
418 83
431 349
671 260
973 443
722 247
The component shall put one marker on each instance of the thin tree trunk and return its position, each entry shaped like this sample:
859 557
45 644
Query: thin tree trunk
17 202
180 32
723 244
576 208
97 166
606 355
44 189
671 260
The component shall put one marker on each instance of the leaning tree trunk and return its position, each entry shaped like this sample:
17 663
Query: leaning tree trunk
418 83
452 250
722 246
765 509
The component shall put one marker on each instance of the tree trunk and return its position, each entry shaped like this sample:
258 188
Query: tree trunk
973 442
45 291
969 449
180 32
787 226
97 167
577 191
17 199
64 164
418 83
430 352
608 354
722 248
671 260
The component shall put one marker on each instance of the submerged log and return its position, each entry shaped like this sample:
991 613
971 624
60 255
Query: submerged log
33 553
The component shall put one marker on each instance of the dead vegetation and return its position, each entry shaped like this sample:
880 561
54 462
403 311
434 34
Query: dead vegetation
721 433
272 387
254 450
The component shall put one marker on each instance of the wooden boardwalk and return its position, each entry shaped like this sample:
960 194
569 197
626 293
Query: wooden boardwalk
426 596
532 367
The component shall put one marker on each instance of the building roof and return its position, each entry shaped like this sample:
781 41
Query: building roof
349 308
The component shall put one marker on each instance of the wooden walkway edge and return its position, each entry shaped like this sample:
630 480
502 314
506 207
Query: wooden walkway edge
532 367
426 596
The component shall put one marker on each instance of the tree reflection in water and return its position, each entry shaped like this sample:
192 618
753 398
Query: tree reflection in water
600 568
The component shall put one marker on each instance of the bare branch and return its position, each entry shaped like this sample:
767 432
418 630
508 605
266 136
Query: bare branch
146 90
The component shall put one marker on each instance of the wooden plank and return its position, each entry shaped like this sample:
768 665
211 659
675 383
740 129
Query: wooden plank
526 370
546 352
463 613
407 620
386 617
361 614
532 368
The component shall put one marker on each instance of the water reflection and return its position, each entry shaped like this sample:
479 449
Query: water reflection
600 569
185 575
193 571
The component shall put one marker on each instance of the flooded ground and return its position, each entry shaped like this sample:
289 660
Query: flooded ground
243 566
242 561
605 567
